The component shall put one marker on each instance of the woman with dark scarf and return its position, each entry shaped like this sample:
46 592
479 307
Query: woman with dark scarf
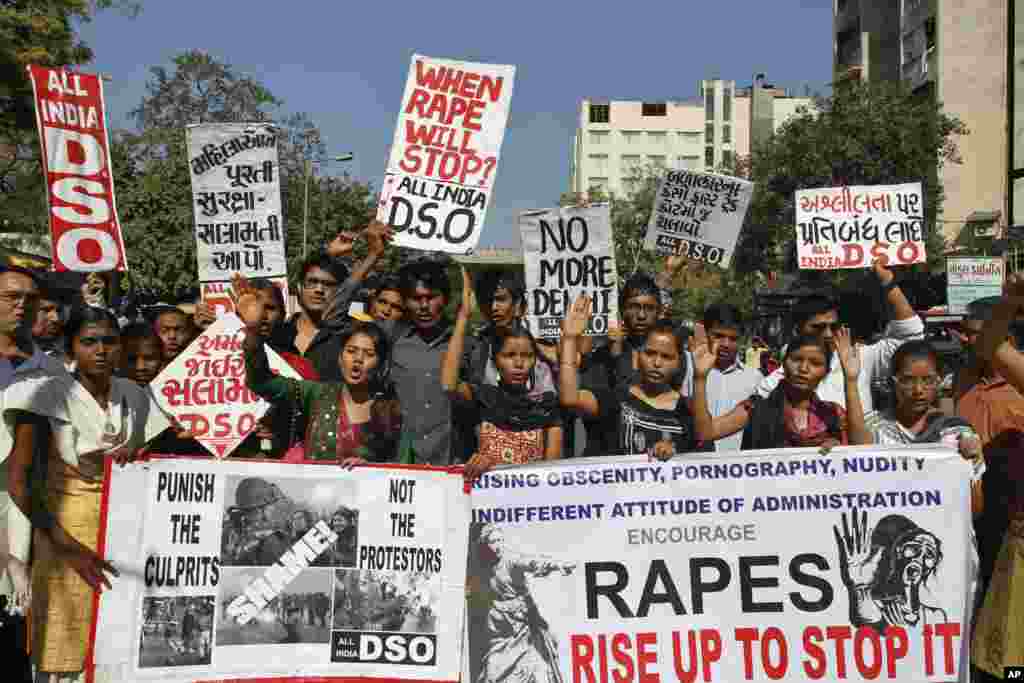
514 425
792 416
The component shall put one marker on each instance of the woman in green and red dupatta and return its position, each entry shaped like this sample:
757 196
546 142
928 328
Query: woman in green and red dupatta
353 421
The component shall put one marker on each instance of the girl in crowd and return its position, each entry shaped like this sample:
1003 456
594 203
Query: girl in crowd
348 421
514 426
915 418
792 416
650 414
64 427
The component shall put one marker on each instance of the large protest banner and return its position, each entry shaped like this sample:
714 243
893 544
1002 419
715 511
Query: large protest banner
236 196
568 252
204 387
849 227
85 232
969 279
255 570
444 157
786 565
698 215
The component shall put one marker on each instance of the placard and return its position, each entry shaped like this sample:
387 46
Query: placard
218 295
849 227
444 158
698 215
85 232
690 570
241 570
236 196
204 387
568 252
969 279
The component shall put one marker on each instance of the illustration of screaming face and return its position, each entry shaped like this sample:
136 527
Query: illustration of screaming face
916 558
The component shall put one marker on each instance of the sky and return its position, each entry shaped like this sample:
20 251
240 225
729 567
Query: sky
345 63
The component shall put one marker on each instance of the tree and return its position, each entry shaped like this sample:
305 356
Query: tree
863 134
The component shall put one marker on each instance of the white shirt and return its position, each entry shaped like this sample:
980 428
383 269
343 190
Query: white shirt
726 390
875 361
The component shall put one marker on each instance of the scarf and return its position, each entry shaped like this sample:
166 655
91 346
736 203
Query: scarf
512 409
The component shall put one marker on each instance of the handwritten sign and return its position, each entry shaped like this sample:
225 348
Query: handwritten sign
204 387
568 252
444 157
849 227
218 294
236 195
970 279
699 216
79 178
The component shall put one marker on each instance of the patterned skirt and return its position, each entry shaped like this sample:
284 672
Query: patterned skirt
999 627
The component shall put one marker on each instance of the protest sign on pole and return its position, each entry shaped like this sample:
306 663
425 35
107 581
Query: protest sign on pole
236 197
343 574
204 387
969 279
85 232
689 570
568 252
444 158
698 215
849 227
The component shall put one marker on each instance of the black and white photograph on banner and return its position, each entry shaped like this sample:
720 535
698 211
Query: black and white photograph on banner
266 518
298 613
176 631
369 600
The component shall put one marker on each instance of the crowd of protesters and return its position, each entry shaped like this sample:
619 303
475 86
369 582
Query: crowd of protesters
386 376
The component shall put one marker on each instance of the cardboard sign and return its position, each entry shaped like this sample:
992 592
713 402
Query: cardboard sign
444 157
218 294
970 279
86 234
204 387
849 227
351 574
236 194
568 252
698 215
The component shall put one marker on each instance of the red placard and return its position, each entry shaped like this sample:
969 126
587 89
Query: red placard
86 235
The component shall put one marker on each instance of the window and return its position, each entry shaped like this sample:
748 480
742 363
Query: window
727 158
727 104
688 163
631 137
709 157
598 163
709 133
726 133
687 137
929 33
653 109
630 163
598 184
709 104
600 113
657 138
599 137
658 160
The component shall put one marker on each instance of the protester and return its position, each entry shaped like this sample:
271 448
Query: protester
793 415
348 421
385 300
514 424
141 354
991 391
729 382
649 416
48 329
19 357
173 328
64 427
819 316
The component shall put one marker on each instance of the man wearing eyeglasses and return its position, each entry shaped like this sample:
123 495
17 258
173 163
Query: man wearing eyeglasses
819 316
19 357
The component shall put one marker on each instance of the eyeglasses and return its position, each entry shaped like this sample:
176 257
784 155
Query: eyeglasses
313 283
929 382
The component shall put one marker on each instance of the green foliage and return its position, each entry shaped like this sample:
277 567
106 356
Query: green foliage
863 134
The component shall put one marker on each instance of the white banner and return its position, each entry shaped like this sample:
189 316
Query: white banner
254 570
698 215
567 252
236 195
444 158
849 227
204 387
787 566
969 279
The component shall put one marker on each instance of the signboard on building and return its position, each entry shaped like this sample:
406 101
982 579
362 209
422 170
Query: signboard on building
969 279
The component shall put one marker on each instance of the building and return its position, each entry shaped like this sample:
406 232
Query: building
957 52
615 139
